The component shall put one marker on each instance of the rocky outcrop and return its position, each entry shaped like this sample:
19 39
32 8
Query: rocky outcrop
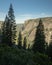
28 29
31 25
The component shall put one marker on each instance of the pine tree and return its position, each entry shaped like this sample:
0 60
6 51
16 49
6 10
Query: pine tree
9 28
46 48
20 40
39 41
49 50
28 46
12 24
4 26
24 43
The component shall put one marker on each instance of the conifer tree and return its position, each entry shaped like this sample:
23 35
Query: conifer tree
49 50
20 40
4 29
9 28
28 46
24 43
39 41
12 24
46 48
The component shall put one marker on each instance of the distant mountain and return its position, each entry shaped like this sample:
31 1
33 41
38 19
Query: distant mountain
31 25
28 29
19 27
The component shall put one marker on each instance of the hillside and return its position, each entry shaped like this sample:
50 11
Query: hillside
19 27
15 56
30 28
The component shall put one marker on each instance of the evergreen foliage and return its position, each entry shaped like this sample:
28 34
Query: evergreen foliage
16 56
9 28
24 43
4 30
12 24
20 40
39 41
49 50
28 46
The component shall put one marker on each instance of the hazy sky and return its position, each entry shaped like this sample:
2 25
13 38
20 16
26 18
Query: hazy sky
26 9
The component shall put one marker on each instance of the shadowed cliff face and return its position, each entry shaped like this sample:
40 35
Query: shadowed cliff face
28 29
31 25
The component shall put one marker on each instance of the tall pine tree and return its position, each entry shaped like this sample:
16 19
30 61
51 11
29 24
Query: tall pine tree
9 28
20 40
24 43
39 41
12 24
49 50
28 47
4 30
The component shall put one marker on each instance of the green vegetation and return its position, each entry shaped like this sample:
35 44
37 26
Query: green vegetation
39 41
9 28
20 40
24 43
11 54
49 49
16 56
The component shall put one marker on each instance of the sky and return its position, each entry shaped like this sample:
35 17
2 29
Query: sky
26 9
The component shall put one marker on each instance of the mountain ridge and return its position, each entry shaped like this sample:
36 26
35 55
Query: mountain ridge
28 29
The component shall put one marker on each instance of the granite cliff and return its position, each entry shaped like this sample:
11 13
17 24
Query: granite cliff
31 25
28 29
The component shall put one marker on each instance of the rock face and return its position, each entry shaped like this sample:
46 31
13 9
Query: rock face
31 25
28 29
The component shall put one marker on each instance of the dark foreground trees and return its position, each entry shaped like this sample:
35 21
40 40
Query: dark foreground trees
12 23
49 49
39 41
4 30
13 56
20 40
9 28
24 43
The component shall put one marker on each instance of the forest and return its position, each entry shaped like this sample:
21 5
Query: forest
40 53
